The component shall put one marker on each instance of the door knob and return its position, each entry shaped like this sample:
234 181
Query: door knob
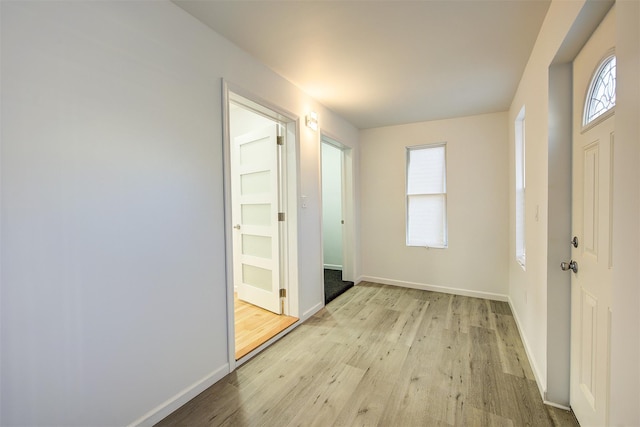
571 265
237 226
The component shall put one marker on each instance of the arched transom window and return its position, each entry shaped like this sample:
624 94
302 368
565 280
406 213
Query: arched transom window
602 91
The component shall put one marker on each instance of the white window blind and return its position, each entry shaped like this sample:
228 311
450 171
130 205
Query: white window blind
427 196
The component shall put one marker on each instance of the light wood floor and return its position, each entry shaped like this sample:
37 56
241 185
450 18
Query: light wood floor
386 356
255 326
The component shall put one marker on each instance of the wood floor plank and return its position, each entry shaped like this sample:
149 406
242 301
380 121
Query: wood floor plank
455 369
458 316
500 307
486 373
481 314
476 418
326 367
369 399
305 344
207 408
406 327
513 356
282 377
329 397
380 355
521 393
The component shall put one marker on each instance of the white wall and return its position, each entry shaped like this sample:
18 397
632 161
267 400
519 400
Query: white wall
528 289
475 262
113 289
332 206
625 322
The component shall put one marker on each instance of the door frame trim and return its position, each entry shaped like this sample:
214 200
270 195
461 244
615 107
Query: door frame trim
348 206
291 123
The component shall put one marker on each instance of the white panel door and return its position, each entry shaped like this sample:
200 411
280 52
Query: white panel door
254 187
592 225
591 285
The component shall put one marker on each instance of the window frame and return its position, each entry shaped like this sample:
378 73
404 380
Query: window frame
595 77
520 188
445 224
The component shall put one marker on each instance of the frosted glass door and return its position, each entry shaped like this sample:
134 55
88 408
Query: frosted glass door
254 186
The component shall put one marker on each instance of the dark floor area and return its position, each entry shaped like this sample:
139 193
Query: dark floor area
334 286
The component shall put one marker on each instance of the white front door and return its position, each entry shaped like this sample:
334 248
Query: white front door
592 225
255 195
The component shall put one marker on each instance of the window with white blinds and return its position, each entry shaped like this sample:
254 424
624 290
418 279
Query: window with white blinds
427 196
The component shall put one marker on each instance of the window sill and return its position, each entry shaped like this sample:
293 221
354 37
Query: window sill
427 246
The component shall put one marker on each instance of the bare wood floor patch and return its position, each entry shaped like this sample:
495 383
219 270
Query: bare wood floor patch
385 356
255 326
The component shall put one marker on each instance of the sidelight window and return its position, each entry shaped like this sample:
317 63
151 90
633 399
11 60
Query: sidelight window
520 188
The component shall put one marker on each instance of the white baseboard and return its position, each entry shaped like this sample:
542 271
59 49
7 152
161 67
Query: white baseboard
556 405
164 409
313 310
542 385
333 267
443 289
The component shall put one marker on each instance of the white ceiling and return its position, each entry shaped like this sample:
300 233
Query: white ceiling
380 63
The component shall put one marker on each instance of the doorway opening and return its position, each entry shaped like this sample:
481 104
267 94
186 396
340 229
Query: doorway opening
260 223
337 217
